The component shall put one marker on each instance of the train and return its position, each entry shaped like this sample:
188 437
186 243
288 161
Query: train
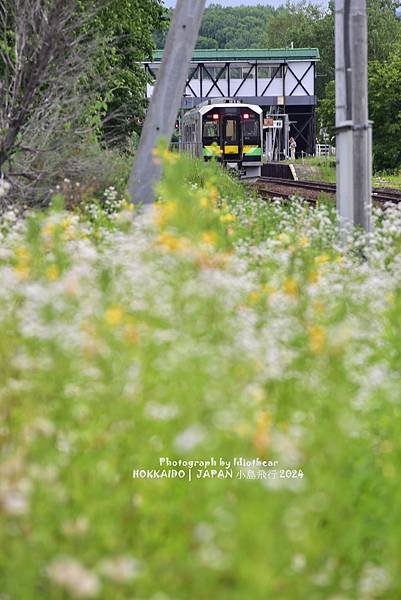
227 130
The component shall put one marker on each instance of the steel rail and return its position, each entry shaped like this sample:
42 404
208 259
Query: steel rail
379 195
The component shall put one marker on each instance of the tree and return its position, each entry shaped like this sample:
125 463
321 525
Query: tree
385 110
228 27
69 75
384 28
45 62
384 44
126 29
305 25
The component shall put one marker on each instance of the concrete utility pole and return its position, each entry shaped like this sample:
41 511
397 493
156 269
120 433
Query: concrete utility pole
362 127
344 155
166 98
354 148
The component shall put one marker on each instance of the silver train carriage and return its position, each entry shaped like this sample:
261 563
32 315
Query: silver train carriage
228 131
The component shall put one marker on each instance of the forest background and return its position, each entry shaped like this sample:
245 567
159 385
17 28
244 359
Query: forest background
72 90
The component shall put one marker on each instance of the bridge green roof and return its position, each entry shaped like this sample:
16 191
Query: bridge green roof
223 54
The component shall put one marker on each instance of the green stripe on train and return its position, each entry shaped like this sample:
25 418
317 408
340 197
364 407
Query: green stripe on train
213 150
254 152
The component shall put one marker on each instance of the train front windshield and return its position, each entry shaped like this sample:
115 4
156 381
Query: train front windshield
251 130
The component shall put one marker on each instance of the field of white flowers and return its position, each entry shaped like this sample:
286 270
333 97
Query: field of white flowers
214 325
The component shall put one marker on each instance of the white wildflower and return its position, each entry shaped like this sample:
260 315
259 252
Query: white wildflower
161 412
188 439
15 499
373 582
76 579
120 569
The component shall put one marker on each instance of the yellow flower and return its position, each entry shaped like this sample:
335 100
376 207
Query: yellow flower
213 193
169 156
283 237
52 273
22 253
261 438
22 270
69 234
209 237
171 242
165 211
23 261
254 296
318 307
113 316
242 429
317 338
227 218
313 276
205 202
128 206
66 222
323 258
290 287
269 289
303 241
48 229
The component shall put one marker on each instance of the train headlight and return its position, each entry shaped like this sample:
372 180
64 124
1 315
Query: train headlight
215 117
246 116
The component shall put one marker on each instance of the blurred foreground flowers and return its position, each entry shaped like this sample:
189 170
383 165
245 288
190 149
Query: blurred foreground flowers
216 325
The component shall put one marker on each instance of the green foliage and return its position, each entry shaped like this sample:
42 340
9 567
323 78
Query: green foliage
385 109
241 27
227 27
327 107
125 29
384 28
305 25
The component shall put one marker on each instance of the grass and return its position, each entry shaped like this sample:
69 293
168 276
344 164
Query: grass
218 326
324 170
387 180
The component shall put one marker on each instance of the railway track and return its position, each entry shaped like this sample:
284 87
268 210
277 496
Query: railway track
311 190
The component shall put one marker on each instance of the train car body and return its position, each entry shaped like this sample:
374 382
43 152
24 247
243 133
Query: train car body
228 131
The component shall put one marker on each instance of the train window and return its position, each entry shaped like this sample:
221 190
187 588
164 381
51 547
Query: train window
251 131
231 133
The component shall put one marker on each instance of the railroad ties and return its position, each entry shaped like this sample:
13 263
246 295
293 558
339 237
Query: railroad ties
310 191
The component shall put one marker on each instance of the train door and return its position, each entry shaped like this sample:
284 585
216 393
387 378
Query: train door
231 142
